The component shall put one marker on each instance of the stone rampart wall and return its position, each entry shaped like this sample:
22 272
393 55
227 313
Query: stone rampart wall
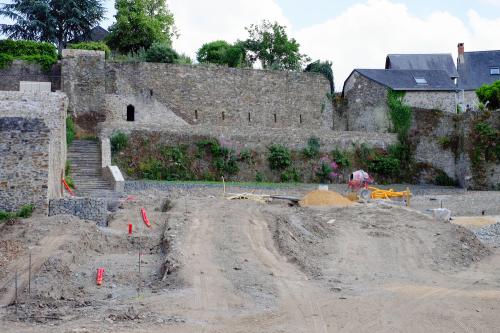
25 71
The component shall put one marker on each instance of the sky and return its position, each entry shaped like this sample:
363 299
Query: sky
351 34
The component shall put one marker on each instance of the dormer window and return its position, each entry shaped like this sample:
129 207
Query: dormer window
495 71
421 81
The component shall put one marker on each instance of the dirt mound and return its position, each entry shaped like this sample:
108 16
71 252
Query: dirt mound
325 198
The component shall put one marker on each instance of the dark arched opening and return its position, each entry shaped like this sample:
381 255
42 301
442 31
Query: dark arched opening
130 113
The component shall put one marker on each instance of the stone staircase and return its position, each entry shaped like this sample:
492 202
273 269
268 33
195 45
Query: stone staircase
86 169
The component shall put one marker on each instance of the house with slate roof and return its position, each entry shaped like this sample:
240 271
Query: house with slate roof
430 81
475 69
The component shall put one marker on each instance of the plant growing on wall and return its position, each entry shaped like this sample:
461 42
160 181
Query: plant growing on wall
51 21
313 148
279 157
92 46
119 141
327 170
44 54
399 113
70 131
324 68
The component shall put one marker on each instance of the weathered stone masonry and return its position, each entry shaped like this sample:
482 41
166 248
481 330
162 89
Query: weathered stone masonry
32 147
10 76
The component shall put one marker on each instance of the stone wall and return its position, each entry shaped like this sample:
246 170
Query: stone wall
24 151
225 96
432 100
25 71
365 105
83 80
33 163
85 208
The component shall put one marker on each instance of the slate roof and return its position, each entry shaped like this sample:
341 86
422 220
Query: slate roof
475 70
422 61
97 34
404 80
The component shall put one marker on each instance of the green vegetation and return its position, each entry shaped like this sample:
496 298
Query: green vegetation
44 54
490 95
92 46
119 141
269 43
291 175
341 158
139 24
259 177
51 21
70 130
222 53
400 113
324 68
279 157
313 148
24 212
162 53
384 165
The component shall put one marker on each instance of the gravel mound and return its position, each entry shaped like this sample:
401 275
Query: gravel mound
489 234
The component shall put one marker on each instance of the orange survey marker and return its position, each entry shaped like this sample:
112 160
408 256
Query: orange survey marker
145 217
100 275
66 186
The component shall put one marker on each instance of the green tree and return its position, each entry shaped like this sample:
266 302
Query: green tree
139 24
161 52
54 21
490 94
221 53
324 68
269 43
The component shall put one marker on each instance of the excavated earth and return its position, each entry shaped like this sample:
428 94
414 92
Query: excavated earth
208 264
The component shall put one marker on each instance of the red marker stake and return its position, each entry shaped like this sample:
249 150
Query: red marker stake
130 229
100 275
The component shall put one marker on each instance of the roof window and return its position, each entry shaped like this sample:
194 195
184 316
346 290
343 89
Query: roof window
421 81
495 71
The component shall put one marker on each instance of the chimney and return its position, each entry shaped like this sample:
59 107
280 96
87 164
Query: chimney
461 51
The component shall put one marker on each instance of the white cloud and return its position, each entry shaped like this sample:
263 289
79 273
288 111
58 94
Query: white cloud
364 34
204 21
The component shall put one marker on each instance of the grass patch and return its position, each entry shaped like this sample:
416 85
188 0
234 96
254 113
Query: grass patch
23 212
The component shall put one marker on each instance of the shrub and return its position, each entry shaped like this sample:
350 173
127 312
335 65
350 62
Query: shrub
24 212
5 60
384 165
245 156
313 148
177 163
92 46
490 94
279 157
70 130
327 170
162 53
151 169
291 175
70 181
42 53
341 158
324 68
259 177
119 141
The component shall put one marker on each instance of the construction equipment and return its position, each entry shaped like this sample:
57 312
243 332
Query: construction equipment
377 193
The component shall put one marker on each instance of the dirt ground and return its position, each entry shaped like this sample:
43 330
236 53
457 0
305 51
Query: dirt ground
213 265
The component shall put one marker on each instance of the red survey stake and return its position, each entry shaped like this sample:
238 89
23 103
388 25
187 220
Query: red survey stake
145 218
100 276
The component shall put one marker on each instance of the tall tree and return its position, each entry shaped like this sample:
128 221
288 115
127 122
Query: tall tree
140 24
54 21
269 43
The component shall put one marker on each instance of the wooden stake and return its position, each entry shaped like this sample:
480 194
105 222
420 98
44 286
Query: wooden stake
29 275
15 299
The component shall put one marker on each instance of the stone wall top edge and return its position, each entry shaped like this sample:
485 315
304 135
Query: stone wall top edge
72 53
222 69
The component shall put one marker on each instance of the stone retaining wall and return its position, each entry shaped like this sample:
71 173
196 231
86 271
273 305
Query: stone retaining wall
84 208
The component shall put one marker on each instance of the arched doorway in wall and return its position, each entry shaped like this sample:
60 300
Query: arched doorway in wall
130 113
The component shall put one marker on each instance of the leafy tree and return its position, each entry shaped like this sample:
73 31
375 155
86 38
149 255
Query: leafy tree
221 53
324 68
490 94
54 21
270 44
139 24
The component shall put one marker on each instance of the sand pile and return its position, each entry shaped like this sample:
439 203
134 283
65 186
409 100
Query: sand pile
325 198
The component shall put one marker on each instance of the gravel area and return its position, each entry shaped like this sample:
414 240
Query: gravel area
489 235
